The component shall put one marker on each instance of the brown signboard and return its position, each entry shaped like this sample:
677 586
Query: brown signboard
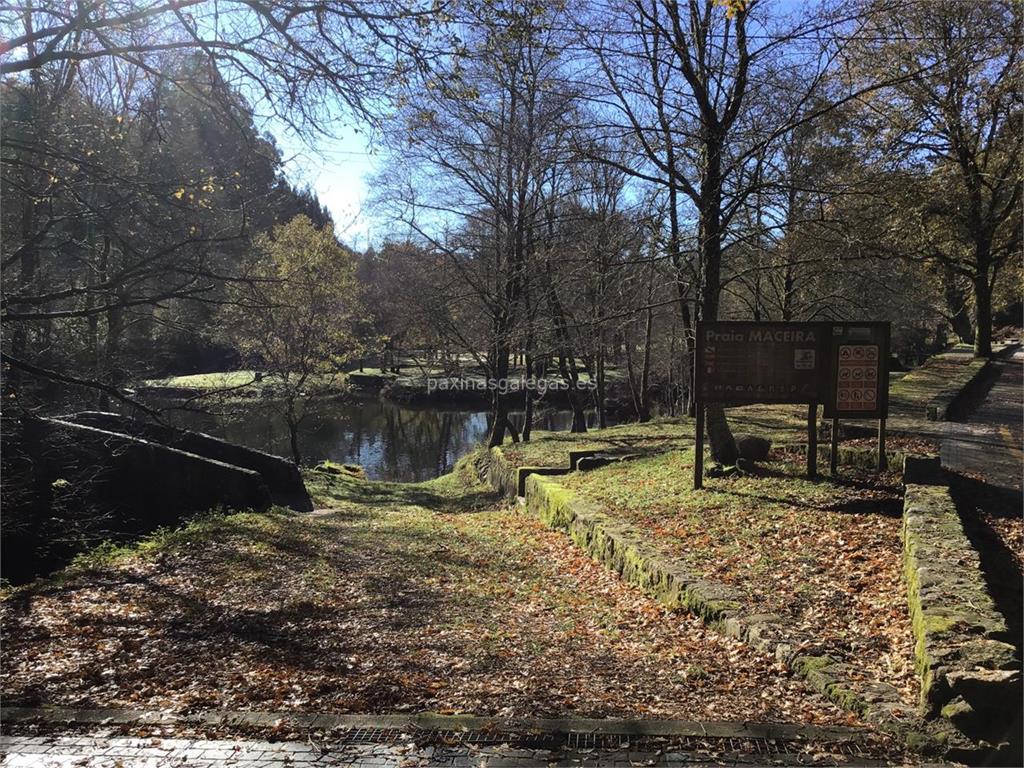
858 371
740 362
842 365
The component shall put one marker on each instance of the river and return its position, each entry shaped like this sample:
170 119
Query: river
389 441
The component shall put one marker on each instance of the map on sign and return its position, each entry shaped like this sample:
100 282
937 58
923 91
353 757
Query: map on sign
742 362
857 382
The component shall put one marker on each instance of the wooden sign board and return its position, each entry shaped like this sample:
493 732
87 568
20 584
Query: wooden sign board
841 365
858 371
739 363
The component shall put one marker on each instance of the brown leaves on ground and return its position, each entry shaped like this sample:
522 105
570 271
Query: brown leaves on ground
390 606
824 555
914 444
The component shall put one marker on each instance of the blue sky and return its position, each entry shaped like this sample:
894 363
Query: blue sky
337 170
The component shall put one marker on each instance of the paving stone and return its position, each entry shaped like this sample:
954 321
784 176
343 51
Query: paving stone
243 754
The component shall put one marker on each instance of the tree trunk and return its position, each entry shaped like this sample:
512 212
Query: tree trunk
645 373
566 356
512 431
631 378
567 367
723 445
956 304
27 276
293 434
602 419
528 405
291 418
499 404
982 316
686 369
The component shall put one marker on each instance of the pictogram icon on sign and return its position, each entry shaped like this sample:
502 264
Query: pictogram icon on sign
857 386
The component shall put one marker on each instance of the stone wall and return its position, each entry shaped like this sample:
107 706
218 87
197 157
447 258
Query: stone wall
624 550
970 676
283 478
969 672
510 480
153 482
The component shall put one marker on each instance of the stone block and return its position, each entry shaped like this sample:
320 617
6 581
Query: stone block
753 448
282 477
922 470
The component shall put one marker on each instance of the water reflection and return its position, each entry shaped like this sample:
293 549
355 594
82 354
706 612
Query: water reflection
390 442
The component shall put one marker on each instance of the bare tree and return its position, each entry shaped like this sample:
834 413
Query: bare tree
479 142
951 139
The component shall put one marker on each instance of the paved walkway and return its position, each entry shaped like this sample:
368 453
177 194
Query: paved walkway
989 443
110 752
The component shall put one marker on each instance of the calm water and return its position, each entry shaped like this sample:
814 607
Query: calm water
389 441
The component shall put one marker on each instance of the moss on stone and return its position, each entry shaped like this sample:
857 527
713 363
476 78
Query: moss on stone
952 615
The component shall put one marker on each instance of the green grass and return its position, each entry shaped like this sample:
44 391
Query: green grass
203 530
781 423
219 380
240 381
551 449
458 491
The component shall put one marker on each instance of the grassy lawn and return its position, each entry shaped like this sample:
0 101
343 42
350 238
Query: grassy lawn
235 380
824 555
431 596
551 449
410 372
784 425
910 394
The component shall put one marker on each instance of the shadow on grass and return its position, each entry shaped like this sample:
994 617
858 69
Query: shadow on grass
250 607
442 495
888 505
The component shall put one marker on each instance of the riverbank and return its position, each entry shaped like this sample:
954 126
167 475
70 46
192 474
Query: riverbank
417 386
240 386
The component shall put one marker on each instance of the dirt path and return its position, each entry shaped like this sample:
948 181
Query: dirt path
401 598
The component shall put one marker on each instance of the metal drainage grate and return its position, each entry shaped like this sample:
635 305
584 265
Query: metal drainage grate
370 736
603 741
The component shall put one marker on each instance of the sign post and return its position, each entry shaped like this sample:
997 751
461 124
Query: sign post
833 454
698 456
740 363
812 440
883 460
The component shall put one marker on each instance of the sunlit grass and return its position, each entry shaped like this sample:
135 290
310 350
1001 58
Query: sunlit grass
238 379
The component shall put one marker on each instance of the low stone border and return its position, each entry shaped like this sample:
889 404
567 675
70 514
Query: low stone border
621 548
511 480
969 674
943 406
429 721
